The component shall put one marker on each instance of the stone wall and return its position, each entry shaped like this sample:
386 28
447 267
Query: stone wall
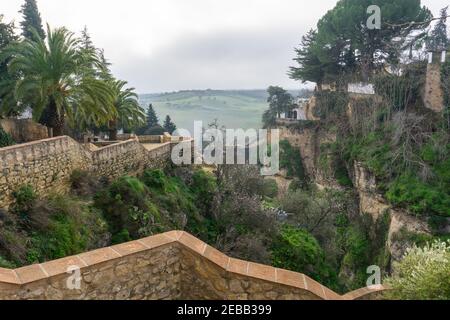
174 265
24 130
128 157
48 164
309 140
45 165
433 96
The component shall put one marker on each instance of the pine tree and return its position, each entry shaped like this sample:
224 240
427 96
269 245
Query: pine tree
438 40
310 68
169 126
31 20
152 118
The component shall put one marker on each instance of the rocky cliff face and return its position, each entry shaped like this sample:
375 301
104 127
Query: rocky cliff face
309 140
373 203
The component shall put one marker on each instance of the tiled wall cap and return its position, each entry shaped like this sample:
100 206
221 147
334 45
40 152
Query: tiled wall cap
129 248
98 256
192 243
31 273
157 240
362 292
217 257
9 276
62 266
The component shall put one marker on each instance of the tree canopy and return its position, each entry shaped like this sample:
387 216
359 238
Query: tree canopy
7 37
128 111
31 21
152 118
169 126
343 42
280 101
53 80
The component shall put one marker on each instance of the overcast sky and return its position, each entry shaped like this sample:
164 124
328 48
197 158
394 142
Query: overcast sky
167 45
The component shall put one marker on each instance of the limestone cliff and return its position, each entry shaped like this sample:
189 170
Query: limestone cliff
373 203
311 136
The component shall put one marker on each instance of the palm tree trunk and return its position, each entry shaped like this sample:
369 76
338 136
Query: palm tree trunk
52 119
113 130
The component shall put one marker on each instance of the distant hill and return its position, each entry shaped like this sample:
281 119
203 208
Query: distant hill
233 108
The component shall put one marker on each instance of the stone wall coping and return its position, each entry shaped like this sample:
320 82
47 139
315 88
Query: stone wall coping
33 143
36 272
366 291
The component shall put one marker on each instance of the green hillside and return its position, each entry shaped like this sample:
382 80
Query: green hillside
233 109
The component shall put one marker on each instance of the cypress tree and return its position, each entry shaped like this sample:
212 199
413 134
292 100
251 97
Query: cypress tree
152 119
169 126
31 20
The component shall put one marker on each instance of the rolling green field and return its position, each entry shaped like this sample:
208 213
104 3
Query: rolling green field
233 109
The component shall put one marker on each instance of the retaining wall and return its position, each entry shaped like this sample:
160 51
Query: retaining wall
174 265
47 164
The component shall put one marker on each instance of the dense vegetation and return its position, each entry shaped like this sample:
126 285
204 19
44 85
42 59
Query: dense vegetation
228 209
5 139
419 276
65 80
403 144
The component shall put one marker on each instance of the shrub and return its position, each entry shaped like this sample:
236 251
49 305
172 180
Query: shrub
422 274
154 179
204 188
72 227
421 198
270 188
291 160
297 250
6 264
84 183
25 197
126 206
5 139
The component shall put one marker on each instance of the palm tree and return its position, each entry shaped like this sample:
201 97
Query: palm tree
54 83
128 111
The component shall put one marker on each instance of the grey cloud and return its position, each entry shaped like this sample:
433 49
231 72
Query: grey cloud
227 60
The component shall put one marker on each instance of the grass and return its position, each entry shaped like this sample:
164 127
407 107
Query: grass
234 109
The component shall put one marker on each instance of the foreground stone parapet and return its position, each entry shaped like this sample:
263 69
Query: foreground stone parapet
173 265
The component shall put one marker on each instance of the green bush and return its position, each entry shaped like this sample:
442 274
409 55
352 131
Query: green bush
72 227
126 206
25 197
204 188
5 139
154 179
422 274
6 264
291 160
270 188
136 208
421 198
297 250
